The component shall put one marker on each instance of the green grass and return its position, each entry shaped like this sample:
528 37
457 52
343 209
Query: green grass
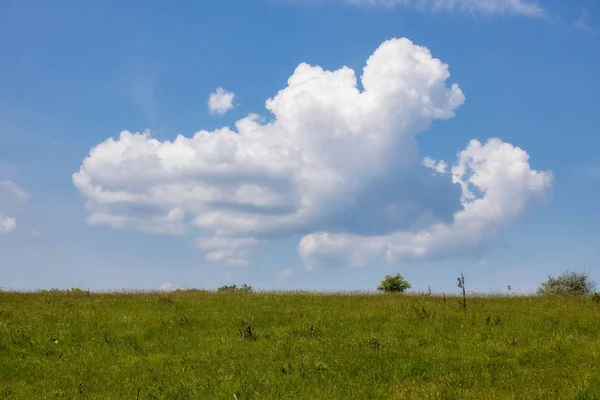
187 345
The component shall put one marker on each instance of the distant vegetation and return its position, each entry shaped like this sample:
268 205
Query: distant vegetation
394 284
569 283
205 345
234 288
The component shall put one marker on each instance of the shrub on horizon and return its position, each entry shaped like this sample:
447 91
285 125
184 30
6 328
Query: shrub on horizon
234 288
394 284
569 283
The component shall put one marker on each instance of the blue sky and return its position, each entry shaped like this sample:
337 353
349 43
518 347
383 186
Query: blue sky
324 190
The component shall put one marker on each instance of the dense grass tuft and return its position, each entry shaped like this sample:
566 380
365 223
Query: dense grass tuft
203 345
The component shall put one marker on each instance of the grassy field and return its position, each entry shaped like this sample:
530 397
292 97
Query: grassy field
193 345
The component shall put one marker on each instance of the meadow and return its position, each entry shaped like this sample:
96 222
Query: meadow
206 345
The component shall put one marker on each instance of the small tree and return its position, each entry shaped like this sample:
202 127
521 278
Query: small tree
461 285
569 283
394 284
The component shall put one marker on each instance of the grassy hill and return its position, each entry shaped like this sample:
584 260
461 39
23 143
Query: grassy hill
194 345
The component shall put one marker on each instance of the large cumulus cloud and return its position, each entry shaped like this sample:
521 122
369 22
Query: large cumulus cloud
336 163
497 186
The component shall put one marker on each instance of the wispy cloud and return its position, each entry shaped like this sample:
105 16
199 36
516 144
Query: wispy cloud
527 8
14 189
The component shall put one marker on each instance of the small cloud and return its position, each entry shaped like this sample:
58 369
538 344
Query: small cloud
7 224
285 274
33 234
14 189
220 101
439 167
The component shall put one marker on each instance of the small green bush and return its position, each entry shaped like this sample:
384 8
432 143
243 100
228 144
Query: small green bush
569 283
234 288
394 284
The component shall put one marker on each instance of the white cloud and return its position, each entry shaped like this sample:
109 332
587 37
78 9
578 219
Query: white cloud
334 159
220 101
439 167
528 8
7 224
506 184
14 189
